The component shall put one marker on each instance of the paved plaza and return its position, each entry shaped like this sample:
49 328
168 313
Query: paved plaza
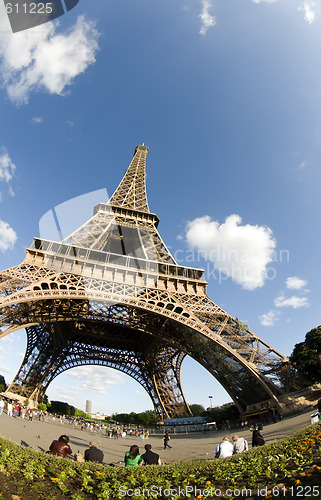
39 435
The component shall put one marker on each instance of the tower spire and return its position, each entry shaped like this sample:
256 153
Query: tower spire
131 192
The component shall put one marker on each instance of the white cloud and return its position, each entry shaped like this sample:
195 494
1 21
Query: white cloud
42 59
294 301
7 167
269 318
309 11
67 394
8 236
8 339
267 1
303 165
295 283
36 120
96 379
208 21
3 369
240 252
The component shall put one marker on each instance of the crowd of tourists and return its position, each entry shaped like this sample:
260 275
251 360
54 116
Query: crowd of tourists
15 409
61 448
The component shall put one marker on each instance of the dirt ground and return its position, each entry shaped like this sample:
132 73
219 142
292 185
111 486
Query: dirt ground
39 435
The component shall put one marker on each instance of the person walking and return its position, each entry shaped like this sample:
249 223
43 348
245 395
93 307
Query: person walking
1 405
9 408
15 410
166 440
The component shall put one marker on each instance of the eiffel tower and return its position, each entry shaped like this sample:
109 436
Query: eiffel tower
111 294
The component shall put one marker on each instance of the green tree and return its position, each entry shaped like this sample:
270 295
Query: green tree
197 410
61 408
306 356
3 385
147 418
222 413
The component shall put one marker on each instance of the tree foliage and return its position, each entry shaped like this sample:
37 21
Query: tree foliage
222 414
305 356
3 385
197 410
145 419
62 408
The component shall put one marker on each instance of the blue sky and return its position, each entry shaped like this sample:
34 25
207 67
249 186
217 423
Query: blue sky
226 94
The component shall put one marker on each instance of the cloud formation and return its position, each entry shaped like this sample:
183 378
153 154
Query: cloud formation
294 301
241 252
269 318
309 11
36 120
7 167
3 369
267 1
96 379
208 21
295 283
40 59
8 236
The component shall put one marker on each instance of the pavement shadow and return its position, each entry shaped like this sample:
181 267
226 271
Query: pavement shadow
26 445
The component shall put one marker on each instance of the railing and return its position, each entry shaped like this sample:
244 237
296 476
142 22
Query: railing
53 249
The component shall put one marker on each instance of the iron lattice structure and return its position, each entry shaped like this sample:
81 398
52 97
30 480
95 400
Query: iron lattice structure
112 294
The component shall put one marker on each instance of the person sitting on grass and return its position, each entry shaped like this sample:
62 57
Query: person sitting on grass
224 449
239 444
94 454
257 439
149 457
60 448
132 457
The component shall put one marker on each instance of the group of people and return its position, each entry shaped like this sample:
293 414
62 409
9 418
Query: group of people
61 448
15 409
134 459
226 448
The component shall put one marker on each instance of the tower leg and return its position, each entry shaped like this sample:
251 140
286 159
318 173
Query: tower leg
29 379
165 375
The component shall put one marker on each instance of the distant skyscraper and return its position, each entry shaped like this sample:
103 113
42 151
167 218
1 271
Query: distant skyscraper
88 406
